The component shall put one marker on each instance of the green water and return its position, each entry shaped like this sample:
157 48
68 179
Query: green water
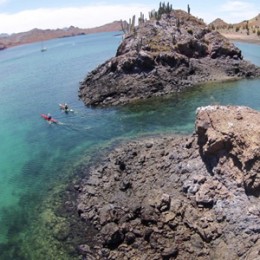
38 159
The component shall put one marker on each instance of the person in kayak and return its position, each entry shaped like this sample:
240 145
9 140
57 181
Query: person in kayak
49 117
66 107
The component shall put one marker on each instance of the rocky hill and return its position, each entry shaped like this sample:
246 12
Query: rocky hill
179 197
37 35
165 56
248 30
218 23
254 22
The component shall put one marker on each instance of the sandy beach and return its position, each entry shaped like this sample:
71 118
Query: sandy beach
252 38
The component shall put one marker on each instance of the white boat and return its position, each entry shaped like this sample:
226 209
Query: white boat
43 48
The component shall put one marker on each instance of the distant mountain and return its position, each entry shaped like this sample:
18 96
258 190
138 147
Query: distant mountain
247 30
254 22
218 23
37 35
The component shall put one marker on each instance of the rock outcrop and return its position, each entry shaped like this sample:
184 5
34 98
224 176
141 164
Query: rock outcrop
162 57
177 197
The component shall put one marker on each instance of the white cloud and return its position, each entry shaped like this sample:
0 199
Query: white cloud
236 6
237 11
84 17
3 2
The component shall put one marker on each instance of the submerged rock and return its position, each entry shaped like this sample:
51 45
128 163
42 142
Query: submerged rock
165 56
193 197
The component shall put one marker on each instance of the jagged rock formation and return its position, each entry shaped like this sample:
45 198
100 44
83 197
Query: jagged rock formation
162 57
177 197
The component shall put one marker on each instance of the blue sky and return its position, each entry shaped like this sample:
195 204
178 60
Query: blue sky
18 16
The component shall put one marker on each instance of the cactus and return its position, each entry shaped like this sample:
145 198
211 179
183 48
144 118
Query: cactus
128 27
188 9
124 26
163 9
132 25
141 19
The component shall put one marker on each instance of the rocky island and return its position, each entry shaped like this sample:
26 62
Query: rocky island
174 196
179 197
162 56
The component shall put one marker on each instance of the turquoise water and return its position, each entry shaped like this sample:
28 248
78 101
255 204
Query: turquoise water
35 156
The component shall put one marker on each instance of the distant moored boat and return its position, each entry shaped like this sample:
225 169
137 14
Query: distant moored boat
43 48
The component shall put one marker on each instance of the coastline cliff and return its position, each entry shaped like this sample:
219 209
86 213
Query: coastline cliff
164 56
179 197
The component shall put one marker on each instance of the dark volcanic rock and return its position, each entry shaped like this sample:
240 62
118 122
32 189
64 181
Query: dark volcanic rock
162 57
194 197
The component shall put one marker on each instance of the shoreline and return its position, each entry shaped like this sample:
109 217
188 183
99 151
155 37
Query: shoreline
241 38
169 197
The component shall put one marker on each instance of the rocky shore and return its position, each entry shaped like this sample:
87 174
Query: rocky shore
162 57
179 197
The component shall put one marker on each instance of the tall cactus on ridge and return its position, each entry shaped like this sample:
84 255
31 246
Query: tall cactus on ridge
132 25
128 27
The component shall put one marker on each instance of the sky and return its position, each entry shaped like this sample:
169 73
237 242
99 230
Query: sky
24 15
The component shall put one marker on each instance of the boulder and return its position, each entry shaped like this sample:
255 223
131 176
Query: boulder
229 143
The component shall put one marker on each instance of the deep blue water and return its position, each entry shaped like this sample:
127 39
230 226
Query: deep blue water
36 157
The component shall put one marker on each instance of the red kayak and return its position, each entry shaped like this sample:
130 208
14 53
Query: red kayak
49 120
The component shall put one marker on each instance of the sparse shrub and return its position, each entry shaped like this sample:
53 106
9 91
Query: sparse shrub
190 31
237 28
258 32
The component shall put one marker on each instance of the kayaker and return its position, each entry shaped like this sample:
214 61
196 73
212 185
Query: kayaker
66 107
49 117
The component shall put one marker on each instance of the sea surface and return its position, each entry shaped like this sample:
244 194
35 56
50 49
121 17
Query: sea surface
37 158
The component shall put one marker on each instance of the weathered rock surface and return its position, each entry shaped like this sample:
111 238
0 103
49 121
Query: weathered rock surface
162 57
177 197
